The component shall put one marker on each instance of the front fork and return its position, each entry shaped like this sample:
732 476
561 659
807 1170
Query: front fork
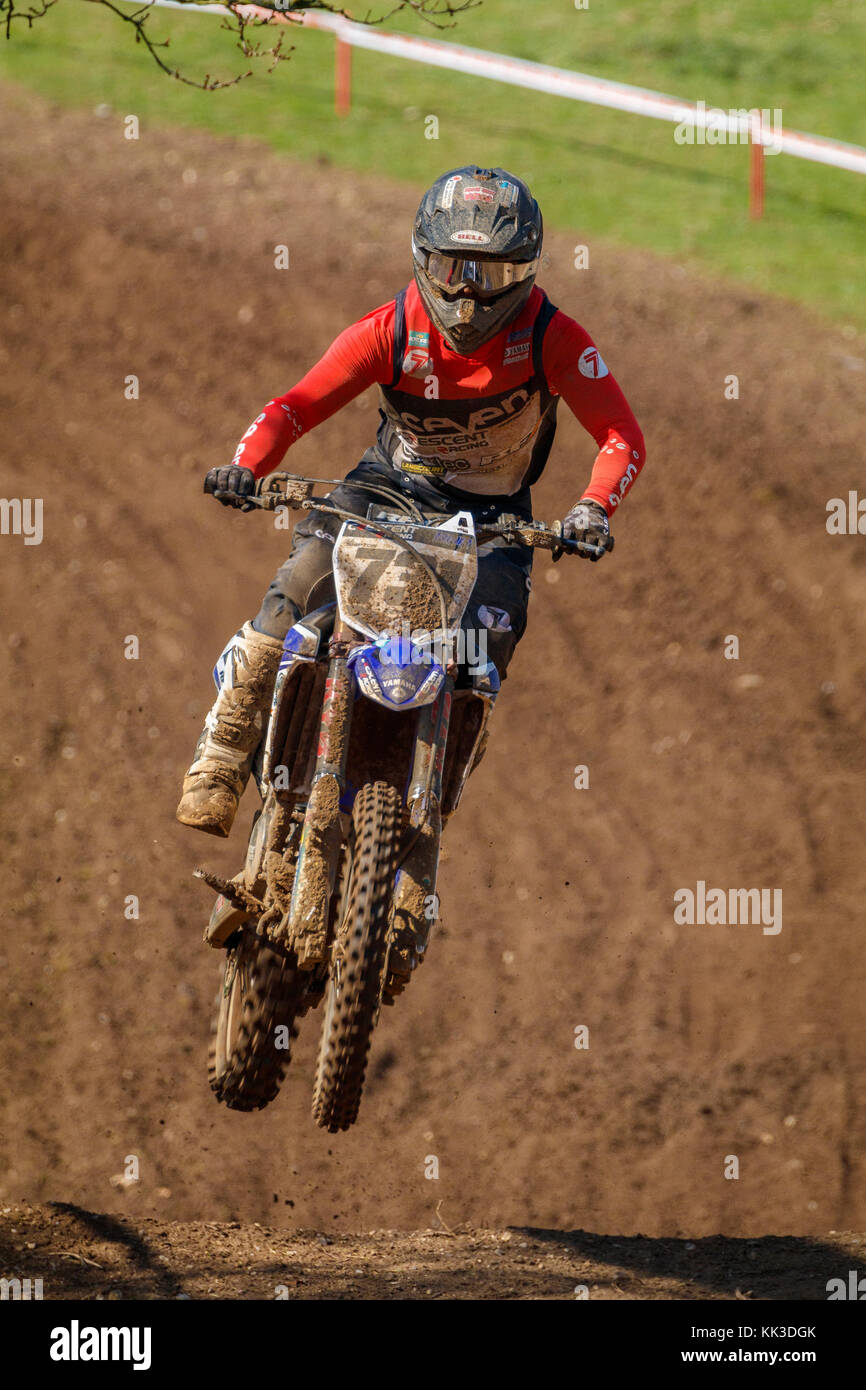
431 740
321 836
415 901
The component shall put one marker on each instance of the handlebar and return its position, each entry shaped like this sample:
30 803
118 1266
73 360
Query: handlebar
291 490
539 536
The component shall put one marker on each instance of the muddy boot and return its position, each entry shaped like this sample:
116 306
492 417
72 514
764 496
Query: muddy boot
213 787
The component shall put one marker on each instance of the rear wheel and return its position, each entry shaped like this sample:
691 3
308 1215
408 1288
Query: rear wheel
355 987
261 995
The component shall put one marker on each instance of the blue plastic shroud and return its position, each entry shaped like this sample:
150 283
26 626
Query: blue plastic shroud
394 672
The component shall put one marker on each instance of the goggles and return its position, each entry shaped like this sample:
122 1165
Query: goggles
453 273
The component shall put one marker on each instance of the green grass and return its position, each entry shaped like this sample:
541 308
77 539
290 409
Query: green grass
601 173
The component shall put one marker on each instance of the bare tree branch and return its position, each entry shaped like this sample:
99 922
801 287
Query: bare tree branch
435 12
439 13
138 19
10 11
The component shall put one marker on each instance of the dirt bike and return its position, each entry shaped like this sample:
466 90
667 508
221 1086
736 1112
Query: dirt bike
379 714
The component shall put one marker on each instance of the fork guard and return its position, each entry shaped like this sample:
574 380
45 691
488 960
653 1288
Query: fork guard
414 896
315 877
293 728
321 837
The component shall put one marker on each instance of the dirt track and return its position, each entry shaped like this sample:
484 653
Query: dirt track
86 1255
557 903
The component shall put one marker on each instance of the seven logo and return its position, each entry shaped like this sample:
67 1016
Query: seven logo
417 362
591 363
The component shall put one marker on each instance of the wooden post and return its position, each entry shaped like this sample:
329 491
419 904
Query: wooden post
342 76
756 168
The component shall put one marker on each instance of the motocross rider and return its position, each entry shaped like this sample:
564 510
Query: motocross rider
470 360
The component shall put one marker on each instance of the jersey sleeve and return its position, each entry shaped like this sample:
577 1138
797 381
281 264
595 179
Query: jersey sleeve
358 358
576 371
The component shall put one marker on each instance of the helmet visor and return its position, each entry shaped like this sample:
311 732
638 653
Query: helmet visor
453 273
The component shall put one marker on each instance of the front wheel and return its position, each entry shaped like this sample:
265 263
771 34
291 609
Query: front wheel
262 993
355 987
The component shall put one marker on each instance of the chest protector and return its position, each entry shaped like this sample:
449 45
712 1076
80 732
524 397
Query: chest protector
494 442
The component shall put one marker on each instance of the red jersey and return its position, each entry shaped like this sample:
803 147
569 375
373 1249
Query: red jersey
481 423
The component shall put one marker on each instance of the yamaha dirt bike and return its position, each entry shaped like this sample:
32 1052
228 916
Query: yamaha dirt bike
379 715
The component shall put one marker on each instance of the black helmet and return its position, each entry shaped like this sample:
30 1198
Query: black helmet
478 230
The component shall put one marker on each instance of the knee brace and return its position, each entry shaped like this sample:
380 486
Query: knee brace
277 614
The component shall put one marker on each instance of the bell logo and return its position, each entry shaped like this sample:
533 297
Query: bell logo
470 235
591 363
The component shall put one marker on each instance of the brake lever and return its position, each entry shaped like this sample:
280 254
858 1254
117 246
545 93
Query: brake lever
226 495
268 496
592 549
595 548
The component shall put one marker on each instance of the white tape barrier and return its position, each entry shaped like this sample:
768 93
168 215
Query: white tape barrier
577 86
